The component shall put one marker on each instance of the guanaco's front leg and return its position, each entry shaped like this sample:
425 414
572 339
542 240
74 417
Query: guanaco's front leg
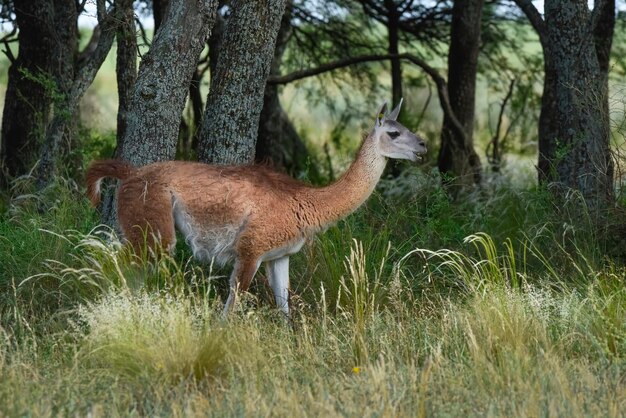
278 275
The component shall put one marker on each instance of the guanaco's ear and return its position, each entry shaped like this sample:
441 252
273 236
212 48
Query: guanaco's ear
380 116
395 112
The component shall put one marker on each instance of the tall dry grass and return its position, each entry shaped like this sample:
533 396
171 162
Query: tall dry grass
385 324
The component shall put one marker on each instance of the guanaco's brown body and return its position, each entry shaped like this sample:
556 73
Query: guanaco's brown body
249 214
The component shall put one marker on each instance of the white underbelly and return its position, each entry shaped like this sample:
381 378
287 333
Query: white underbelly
280 252
213 243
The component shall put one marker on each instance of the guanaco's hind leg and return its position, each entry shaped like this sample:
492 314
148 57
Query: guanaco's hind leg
145 215
240 279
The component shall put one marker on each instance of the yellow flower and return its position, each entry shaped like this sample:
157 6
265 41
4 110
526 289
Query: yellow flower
356 370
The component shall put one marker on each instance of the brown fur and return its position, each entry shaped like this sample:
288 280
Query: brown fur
107 168
278 209
246 213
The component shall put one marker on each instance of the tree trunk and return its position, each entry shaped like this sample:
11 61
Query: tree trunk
457 158
74 82
197 108
231 119
47 46
126 74
125 71
396 69
165 72
215 42
574 126
63 113
278 143
157 100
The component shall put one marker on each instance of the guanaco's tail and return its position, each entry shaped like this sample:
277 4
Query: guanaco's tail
105 168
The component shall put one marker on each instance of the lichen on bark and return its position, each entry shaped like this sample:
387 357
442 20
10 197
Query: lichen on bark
160 92
231 119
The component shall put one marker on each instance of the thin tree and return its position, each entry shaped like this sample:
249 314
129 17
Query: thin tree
278 142
457 158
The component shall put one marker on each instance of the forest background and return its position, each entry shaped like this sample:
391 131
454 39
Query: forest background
489 280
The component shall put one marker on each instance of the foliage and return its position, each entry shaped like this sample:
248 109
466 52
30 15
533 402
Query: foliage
395 314
502 302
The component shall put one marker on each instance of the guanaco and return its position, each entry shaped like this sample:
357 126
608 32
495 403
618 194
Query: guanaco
248 214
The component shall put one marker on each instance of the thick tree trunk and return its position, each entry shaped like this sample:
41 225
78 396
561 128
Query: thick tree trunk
64 109
163 81
278 143
231 119
574 126
74 83
457 157
48 40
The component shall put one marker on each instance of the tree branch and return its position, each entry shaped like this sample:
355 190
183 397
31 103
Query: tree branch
535 18
91 45
342 63
494 146
92 61
80 6
85 74
426 103
405 7
442 90
440 82
144 36
6 39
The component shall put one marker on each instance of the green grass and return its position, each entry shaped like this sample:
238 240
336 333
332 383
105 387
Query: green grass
416 305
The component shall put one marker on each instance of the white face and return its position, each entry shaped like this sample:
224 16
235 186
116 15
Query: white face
396 141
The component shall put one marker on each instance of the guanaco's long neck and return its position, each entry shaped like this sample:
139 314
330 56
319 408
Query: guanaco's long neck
343 197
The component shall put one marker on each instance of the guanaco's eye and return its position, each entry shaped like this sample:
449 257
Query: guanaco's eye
394 134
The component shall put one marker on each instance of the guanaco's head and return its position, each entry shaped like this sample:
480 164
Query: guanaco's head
394 140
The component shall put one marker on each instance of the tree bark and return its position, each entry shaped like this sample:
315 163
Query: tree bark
215 41
457 158
125 71
158 97
159 9
126 74
231 119
162 84
278 143
574 126
47 47
74 83
65 75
